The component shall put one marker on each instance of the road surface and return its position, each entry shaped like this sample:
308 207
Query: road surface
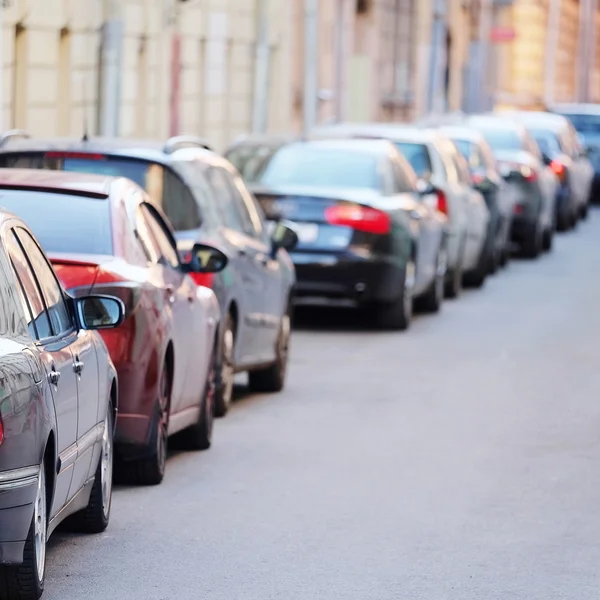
457 461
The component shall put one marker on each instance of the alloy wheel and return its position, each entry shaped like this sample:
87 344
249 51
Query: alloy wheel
283 345
409 285
163 421
227 366
40 524
106 472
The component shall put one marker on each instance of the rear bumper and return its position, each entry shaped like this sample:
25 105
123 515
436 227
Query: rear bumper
522 228
345 277
17 494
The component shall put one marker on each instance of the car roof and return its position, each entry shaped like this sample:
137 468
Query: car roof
273 141
577 109
53 181
149 150
386 131
495 122
374 146
545 120
462 132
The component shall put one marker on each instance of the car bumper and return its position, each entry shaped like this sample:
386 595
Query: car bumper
522 228
331 278
18 490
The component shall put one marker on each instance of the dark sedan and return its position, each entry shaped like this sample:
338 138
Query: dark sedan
206 201
365 235
58 402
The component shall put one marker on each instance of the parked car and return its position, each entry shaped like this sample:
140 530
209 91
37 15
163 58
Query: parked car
104 236
557 139
586 120
58 402
532 184
365 238
437 161
487 179
249 154
206 201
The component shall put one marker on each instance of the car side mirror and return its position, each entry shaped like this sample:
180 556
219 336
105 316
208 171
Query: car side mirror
99 312
283 237
425 188
205 259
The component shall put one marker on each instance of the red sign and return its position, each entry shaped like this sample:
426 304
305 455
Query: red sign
500 34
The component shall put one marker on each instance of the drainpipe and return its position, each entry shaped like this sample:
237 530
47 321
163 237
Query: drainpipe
261 69
485 26
551 52
110 69
175 72
436 62
593 43
311 64
340 39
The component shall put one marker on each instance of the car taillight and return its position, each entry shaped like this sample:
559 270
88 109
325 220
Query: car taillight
559 169
442 202
1 431
518 209
360 218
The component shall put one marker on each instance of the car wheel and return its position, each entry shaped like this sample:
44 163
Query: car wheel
150 470
397 315
547 240
95 517
26 582
477 277
584 212
224 392
433 298
199 436
272 379
533 245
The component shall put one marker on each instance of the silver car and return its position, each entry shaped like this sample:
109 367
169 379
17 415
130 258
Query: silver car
58 406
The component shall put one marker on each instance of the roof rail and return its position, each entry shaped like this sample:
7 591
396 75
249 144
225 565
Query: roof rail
13 133
185 141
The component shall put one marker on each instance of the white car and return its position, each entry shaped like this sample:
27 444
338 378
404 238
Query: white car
437 161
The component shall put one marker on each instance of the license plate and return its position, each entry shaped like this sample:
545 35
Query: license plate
307 232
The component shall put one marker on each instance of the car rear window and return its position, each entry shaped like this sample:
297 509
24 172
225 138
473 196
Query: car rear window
501 139
417 155
547 141
63 222
300 164
585 123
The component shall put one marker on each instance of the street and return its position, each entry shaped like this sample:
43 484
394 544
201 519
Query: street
458 460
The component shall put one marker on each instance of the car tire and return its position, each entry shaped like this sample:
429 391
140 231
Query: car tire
150 470
224 392
547 240
584 212
397 315
96 516
26 582
477 277
533 245
453 286
432 300
272 379
199 436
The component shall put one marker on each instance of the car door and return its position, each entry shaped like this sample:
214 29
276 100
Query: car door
57 358
270 300
179 294
83 349
242 268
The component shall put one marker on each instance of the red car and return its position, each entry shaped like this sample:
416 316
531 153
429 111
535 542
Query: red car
104 237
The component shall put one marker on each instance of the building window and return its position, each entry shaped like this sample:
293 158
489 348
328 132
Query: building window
20 78
64 82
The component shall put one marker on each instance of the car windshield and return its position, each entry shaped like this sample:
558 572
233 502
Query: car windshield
63 222
307 164
501 139
417 155
585 123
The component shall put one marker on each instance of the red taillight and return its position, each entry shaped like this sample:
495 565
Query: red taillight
84 155
559 169
478 178
442 202
360 218
518 209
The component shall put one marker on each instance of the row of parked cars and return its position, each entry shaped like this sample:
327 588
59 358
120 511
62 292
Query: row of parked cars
137 279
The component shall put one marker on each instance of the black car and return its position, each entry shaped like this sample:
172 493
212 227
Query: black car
206 200
367 237
58 403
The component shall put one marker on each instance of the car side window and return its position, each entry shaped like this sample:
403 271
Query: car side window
30 295
145 236
229 207
488 156
167 252
532 147
248 208
179 204
449 165
52 292
403 182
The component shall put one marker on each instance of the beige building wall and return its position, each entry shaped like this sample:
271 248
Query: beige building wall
51 67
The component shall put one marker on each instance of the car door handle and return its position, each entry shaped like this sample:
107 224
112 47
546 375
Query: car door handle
54 377
170 293
78 367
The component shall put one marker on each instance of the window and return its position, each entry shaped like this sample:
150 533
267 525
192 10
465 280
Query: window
146 237
488 156
51 289
446 150
10 320
178 203
531 146
248 209
30 295
168 253
225 200
403 179
501 139
418 157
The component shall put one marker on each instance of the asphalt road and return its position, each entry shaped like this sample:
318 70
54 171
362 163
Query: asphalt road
459 460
